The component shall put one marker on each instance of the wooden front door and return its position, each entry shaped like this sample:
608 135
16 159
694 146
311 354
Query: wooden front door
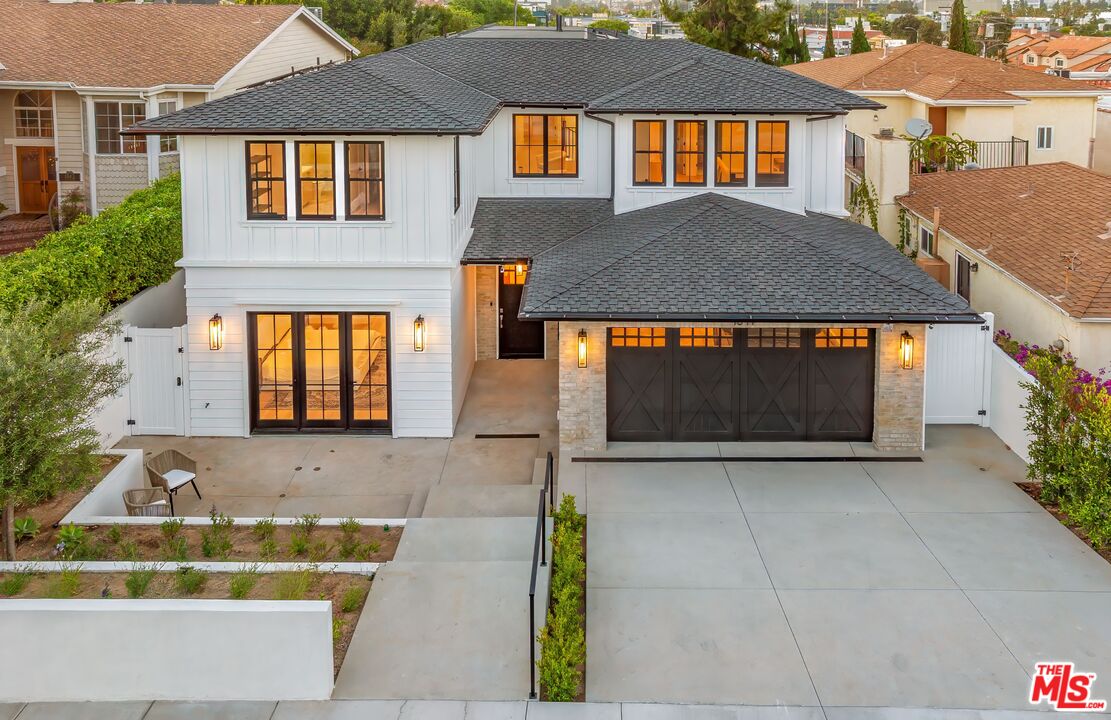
37 178
516 338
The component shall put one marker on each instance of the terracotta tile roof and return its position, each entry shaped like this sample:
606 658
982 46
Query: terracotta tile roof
1073 45
1099 63
92 44
921 65
1018 219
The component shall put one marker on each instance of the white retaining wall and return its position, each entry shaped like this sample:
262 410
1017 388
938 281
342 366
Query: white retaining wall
94 650
1008 418
106 499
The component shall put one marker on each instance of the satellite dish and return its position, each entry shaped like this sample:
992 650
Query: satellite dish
918 128
972 166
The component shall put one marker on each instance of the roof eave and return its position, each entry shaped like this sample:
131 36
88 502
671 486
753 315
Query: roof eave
139 130
951 318
722 111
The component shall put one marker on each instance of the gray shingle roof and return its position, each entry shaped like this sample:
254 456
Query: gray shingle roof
456 84
715 257
510 229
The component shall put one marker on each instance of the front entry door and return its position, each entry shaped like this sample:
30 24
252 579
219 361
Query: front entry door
320 371
37 178
516 338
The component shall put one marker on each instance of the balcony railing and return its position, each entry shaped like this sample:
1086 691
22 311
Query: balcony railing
985 154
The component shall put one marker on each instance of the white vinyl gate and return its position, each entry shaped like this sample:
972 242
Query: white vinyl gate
958 373
156 392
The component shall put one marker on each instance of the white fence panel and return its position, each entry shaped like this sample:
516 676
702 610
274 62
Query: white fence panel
958 373
1008 419
155 359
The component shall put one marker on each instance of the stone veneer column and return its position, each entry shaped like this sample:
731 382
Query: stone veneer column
900 394
486 311
582 391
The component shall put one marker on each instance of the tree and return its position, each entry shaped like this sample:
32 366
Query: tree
53 375
740 27
830 49
959 37
802 50
610 24
860 40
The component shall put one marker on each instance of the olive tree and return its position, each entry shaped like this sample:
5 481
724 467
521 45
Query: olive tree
55 370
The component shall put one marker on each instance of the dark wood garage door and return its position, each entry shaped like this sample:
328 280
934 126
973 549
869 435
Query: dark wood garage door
712 384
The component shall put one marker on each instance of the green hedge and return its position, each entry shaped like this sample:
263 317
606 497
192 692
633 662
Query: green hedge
563 639
107 258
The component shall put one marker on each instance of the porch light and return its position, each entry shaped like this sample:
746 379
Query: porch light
582 348
906 350
216 332
418 334
520 268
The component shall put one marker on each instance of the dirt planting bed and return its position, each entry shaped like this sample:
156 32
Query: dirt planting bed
1034 490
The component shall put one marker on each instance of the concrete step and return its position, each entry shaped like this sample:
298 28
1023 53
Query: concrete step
453 500
467 539
538 470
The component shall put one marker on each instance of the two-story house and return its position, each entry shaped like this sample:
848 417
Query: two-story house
663 219
74 74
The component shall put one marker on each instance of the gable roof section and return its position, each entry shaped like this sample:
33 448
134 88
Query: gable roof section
465 79
1015 218
128 45
711 257
912 66
510 229
1075 45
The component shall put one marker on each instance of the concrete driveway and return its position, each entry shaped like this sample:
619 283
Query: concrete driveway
844 584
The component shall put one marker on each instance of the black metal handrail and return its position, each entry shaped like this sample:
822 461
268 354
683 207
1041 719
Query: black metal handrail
539 559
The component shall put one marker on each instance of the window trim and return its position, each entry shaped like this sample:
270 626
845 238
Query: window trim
297 158
1049 133
139 140
662 152
675 153
247 176
545 174
718 152
347 216
176 138
923 232
16 107
786 156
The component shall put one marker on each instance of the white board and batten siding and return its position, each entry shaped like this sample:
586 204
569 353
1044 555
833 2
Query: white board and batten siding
959 373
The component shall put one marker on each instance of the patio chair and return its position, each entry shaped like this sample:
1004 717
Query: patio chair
171 471
146 502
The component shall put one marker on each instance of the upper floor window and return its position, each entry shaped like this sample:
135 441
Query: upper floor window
649 139
1060 62
545 145
34 114
731 154
316 181
365 181
1045 138
266 181
1031 60
690 152
771 153
926 240
167 143
111 117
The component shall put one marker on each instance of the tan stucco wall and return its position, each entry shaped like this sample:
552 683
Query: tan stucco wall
1101 155
980 123
895 115
1073 122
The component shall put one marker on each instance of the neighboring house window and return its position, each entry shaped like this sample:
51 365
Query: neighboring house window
111 118
1060 62
34 114
731 153
167 143
964 278
1031 60
266 181
926 240
690 152
1045 138
649 141
457 187
545 145
771 154
316 181
854 152
366 174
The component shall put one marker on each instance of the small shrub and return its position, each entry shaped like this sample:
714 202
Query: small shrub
298 543
14 582
115 534
216 541
171 528
307 523
338 624
264 528
138 580
294 585
348 546
25 528
350 526
65 584
190 580
177 549
318 552
129 550
72 541
563 638
352 599
365 552
268 549
242 583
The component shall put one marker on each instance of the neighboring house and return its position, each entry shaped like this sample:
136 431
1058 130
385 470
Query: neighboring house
1101 157
1016 117
815 39
72 75
655 215
1071 53
1036 24
1016 247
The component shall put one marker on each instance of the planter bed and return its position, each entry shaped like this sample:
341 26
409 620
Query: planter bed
347 592
1034 490
53 510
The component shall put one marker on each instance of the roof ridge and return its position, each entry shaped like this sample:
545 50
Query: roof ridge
671 70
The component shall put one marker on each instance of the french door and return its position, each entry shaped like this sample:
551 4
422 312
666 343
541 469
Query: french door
320 371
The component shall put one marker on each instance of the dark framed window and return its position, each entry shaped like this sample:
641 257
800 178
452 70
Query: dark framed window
545 145
457 188
266 181
690 152
112 117
854 152
841 338
316 181
771 153
731 152
366 181
649 151
773 338
706 337
638 337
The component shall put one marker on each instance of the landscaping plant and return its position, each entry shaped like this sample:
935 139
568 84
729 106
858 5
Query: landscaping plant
264 529
349 541
14 582
26 529
115 534
563 638
352 599
242 583
190 580
216 541
139 579
53 376
72 542
294 585
65 584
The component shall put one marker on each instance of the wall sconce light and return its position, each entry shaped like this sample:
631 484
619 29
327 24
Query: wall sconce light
216 332
582 348
906 350
418 334
520 268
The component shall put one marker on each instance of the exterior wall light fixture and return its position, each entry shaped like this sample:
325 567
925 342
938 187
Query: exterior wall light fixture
419 331
582 348
216 332
906 350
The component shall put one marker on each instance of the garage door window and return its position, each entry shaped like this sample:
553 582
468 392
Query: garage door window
705 337
841 338
638 337
774 338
